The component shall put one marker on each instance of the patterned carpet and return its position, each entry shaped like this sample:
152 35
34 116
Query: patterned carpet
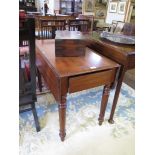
84 135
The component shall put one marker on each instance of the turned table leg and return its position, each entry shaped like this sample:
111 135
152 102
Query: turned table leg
104 102
63 83
117 92
62 117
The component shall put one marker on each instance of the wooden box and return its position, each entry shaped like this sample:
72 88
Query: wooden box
69 44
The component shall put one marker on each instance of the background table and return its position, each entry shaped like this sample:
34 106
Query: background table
122 54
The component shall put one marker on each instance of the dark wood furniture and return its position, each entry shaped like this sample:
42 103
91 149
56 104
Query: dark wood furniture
27 5
90 18
129 29
48 28
57 16
71 74
27 82
79 25
72 45
122 54
52 17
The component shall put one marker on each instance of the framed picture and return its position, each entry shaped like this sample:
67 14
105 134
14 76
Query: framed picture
89 6
99 3
121 7
99 13
113 7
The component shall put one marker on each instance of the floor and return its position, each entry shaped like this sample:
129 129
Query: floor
84 135
129 78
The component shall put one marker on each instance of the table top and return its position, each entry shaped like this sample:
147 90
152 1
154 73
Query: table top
71 66
121 53
71 35
95 36
126 49
118 38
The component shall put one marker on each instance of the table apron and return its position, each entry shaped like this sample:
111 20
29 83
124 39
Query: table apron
48 74
91 80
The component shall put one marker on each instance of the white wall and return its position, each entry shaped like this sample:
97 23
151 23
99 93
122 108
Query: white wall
39 4
114 16
52 4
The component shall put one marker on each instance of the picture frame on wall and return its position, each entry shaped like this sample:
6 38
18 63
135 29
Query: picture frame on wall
99 13
89 6
100 3
113 7
121 7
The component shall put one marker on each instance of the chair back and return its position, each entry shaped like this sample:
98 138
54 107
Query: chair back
27 34
78 25
129 29
48 28
119 27
90 18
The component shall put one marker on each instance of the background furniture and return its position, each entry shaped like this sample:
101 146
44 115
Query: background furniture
48 28
27 74
122 54
129 29
79 25
52 17
27 5
90 18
